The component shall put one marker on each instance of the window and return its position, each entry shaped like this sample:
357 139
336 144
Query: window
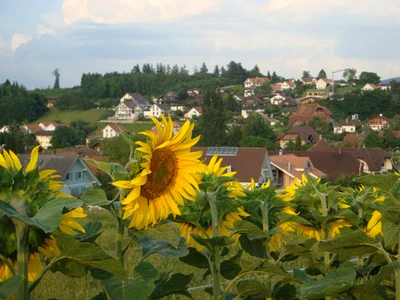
78 175
68 176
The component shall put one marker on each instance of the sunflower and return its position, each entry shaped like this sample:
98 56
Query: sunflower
167 175
69 225
5 271
334 230
374 226
49 248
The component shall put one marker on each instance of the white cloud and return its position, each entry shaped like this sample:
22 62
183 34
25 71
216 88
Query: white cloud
19 39
3 43
41 30
143 11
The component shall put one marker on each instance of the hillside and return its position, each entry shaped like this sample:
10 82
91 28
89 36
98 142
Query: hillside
387 81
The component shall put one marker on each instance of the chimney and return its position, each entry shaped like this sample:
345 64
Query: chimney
289 166
340 150
280 151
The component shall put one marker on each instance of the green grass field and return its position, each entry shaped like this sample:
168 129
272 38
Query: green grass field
66 116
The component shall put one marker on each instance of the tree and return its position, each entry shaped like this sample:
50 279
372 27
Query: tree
349 74
373 140
255 125
306 74
136 69
264 89
56 73
203 68
235 136
275 78
369 77
297 144
269 75
318 124
63 137
216 71
321 74
212 120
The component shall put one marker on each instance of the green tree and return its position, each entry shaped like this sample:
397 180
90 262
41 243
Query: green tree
373 140
306 74
56 73
116 149
297 144
216 71
14 139
275 77
235 136
369 77
318 124
229 103
212 119
321 74
255 125
349 74
203 68
64 137
254 141
264 89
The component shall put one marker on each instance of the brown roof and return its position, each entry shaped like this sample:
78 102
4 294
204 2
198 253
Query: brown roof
306 133
248 162
374 157
198 108
309 110
295 165
258 80
33 128
117 128
164 107
44 133
334 164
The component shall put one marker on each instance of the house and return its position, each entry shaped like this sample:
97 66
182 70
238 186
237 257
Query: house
332 163
113 130
175 129
50 126
195 111
346 126
177 107
248 163
369 87
275 100
156 110
378 122
193 92
309 110
288 102
322 83
288 85
31 128
131 106
247 111
371 160
287 167
309 80
250 84
44 138
307 135
385 87
50 100
317 94
253 101
74 172
354 139
5 129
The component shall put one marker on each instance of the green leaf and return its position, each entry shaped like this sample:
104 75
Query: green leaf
246 227
109 168
390 232
384 182
214 242
230 269
163 248
390 209
145 271
100 296
253 289
362 292
8 286
254 247
174 285
385 273
92 232
128 140
284 291
299 250
167 231
131 289
270 268
333 284
78 258
196 259
96 197
284 217
349 245
49 216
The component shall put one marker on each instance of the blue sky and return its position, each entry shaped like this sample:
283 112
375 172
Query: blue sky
286 36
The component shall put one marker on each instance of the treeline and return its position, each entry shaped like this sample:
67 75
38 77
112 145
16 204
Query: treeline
367 104
157 80
17 104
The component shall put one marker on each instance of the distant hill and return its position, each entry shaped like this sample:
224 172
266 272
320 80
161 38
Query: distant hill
386 81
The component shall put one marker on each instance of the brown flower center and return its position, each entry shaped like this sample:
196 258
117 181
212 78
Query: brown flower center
164 168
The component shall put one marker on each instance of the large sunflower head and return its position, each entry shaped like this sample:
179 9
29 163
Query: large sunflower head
167 175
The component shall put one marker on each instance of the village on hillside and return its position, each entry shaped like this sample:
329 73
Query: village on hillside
306 134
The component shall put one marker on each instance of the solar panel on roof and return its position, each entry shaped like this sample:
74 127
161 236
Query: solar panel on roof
222 151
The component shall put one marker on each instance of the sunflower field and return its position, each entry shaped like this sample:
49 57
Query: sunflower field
242 239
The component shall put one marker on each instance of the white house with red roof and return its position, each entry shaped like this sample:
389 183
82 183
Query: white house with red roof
322 83
369 87
195 111
113 130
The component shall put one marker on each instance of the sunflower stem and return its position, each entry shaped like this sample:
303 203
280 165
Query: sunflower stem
216 267
120 238
397 272
22 235
265 225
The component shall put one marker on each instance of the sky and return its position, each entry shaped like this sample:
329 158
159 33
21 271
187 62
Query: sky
286 36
